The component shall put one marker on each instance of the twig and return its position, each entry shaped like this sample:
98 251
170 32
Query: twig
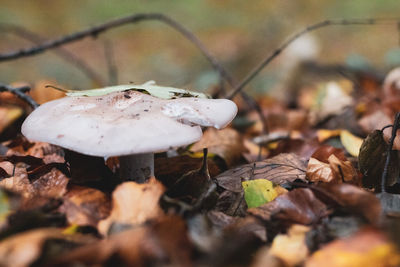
111 66
61 52
389 152
95 31
20 92
325 23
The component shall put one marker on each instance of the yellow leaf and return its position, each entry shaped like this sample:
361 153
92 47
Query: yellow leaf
351 142
258 192
325 134
291 248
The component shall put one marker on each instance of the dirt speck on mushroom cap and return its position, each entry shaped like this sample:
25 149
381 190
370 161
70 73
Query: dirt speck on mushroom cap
124 123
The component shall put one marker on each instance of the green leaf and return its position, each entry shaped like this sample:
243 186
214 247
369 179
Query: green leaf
148 88
4 205
258 192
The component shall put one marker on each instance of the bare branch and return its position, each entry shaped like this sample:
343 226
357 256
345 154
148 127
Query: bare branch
325 23
20 92
61 52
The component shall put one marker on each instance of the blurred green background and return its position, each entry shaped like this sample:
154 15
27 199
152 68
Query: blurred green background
238 33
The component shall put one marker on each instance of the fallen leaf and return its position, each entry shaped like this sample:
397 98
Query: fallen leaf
85 206
355 200
291 248
368 247
134 204
325 166
281 169
371 161
318 171
260 191
226 143
299 206
42 94
162 242
53 184
325 134
27 248
9 115
350 142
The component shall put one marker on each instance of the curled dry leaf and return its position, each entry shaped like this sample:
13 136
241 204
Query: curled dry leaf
226 143
368 247
297 206
329 164
53 184
134 203
85 206
280 169
291 248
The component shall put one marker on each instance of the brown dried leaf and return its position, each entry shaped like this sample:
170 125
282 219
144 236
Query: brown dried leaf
318 171
368 247
299 206
355 200
329 164
85 206
52 184
226 143
162 243
134 203
371 161
280 169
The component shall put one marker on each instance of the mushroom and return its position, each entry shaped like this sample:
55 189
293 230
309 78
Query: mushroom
128 124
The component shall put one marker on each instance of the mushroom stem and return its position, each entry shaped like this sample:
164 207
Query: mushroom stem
138 167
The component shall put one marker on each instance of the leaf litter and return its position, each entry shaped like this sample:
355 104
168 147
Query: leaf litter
304 193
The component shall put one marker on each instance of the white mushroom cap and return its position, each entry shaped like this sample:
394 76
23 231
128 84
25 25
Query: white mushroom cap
125 123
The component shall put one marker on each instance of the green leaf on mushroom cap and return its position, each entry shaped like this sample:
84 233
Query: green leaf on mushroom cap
149 88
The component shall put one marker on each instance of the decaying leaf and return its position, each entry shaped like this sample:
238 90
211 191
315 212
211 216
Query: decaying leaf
226 143
260 191
328 164
368 247
299 206
291 248
355 200
149 87
133 204
281 169
85 206
371 161
52 184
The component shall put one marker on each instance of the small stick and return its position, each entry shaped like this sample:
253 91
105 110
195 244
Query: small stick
20 92
389 150
325 23
61 52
